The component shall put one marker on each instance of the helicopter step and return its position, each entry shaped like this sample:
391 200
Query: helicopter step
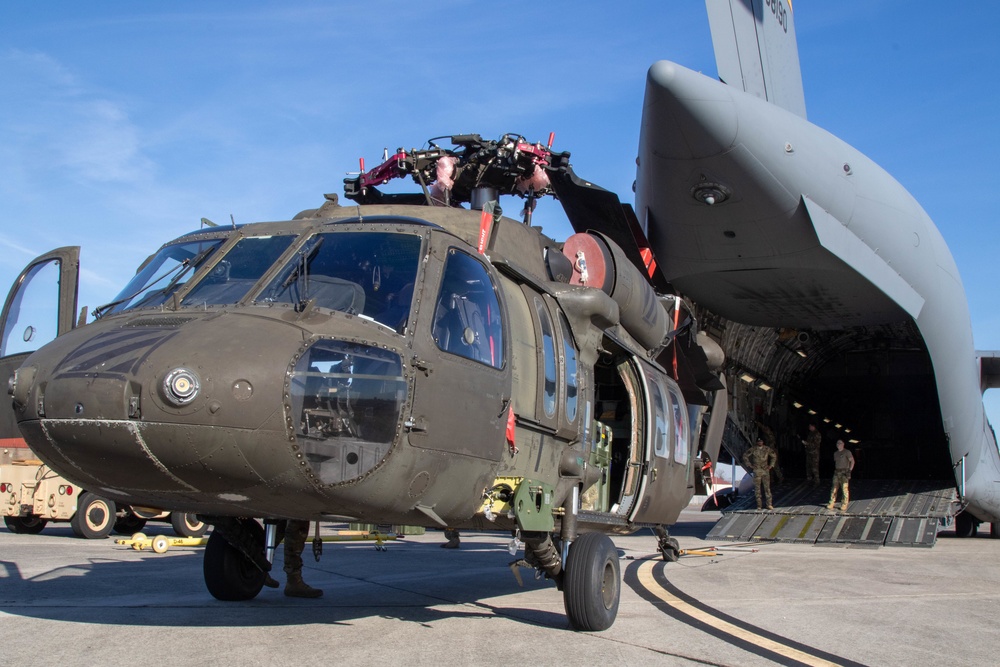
881 513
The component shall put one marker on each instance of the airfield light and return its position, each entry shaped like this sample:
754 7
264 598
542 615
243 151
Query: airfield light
826 420
812 412
847 430
764 386
746 377
838 425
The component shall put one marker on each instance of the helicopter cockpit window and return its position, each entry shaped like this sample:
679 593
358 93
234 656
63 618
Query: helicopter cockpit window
467 314
163 275
233 275
34 315
370 274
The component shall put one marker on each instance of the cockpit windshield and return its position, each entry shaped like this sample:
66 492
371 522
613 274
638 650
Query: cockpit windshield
233 275
163 275
370 274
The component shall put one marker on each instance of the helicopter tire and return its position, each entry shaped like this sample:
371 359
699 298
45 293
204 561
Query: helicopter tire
592 583
670 549
94 518
187 525
229 575
25 525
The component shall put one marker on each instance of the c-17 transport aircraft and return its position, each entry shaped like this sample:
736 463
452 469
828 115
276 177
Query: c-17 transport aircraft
405 359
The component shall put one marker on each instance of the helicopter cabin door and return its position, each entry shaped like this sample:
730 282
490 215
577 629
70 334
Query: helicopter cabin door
40 306
462 384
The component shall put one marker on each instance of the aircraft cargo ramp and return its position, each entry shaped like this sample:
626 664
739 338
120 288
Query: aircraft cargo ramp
881 512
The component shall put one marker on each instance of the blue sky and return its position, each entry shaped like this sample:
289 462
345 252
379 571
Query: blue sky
122 123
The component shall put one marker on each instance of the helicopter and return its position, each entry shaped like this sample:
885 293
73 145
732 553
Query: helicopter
414 358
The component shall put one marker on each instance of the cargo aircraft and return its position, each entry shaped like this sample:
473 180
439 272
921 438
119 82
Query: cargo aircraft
420 358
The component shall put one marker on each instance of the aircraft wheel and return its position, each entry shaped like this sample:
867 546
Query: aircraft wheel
25 525
129 524
187 525
229 575
94 518
965 525
592 583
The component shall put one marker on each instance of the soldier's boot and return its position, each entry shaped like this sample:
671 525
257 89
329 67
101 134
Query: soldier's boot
843 506
270 581
296 588
454 542
830 504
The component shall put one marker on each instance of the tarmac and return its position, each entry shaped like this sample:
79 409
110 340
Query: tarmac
69 601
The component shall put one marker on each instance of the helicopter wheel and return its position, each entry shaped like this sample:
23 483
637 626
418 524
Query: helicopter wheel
229 575
670 549
592 583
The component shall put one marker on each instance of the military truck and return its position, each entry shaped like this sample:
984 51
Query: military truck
32 495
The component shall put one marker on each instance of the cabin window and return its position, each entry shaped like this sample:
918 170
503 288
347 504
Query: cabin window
571 370
661 438
680 427
467 315
370 274
233 275
548 359
33 320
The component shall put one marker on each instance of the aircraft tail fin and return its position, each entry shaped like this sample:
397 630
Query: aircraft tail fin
755 49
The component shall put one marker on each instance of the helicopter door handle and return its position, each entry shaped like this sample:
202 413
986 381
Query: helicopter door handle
415 424
422 365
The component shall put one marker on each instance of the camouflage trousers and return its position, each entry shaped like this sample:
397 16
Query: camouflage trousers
841 478
296 533
762 478
812 467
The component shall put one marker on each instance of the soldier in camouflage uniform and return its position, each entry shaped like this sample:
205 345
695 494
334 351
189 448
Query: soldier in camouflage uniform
760 459
843 464
296 532
812 444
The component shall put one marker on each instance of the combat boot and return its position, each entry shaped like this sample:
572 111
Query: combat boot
296 588
270 581
454 541
829 505
843 508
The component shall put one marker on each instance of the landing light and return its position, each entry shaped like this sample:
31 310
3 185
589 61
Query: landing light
764 386
746 377
180 386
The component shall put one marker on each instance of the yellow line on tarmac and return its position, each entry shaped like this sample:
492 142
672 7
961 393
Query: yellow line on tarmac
649 582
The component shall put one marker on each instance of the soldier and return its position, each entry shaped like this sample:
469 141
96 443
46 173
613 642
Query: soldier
772 443
760 459
843 464
812 444
296 532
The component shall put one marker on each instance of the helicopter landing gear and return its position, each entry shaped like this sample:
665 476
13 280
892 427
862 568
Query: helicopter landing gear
592 583
234 564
